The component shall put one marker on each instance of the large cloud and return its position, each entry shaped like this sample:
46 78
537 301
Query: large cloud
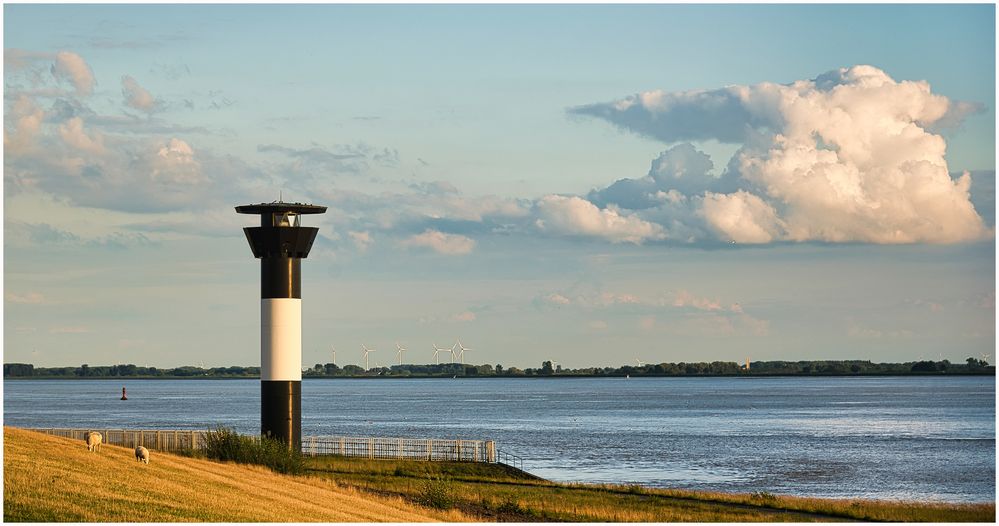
849 156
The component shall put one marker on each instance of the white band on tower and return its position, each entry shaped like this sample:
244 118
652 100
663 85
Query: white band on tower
281 339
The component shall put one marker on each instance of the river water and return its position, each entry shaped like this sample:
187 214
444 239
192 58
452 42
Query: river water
913 438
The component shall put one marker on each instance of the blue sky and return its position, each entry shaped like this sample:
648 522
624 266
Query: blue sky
589 184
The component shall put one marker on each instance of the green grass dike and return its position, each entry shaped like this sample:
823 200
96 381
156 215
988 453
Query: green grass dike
52 479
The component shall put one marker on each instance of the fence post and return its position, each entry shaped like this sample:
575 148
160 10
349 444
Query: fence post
158 447
371 448
430 449
459 450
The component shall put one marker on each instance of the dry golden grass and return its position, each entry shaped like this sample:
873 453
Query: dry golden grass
858 509
483 489
48 479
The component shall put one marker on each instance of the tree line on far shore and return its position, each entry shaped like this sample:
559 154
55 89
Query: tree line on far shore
548 369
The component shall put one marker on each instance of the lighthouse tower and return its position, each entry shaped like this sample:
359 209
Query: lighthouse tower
280 243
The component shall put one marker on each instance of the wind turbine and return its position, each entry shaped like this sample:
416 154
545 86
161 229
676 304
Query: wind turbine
640 363
461 353
399 352
366 351
334 354
985 357
452 353
437 351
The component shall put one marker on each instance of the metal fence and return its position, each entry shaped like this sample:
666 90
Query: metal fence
505 457
402 448
161 439
363 447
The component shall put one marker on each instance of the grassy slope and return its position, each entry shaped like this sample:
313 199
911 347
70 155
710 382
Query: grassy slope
50 478
498 494
56 479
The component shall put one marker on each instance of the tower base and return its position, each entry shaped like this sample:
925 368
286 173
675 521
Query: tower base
281 411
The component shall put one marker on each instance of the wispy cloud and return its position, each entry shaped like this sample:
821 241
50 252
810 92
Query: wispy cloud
597 325
27 298
681 311
448 244
858 331
465 316
556 299
362 240
73 329
341 157
36 233
19 233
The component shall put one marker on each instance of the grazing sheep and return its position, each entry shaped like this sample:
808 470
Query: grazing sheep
94 440
141 454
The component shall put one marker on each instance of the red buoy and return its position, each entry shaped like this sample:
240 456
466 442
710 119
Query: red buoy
123 397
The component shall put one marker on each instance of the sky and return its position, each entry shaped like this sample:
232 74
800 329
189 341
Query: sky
592 185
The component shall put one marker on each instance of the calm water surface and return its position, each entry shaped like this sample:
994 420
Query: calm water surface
888 438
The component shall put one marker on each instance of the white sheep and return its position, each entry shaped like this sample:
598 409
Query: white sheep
93 439
141 454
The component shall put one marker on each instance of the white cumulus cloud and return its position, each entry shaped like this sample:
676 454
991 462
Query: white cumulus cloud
136 96
174 165
741 217
850 156
22 123
70 66
576 216
74 135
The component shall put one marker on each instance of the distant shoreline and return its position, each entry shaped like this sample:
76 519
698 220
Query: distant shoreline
548 370
552 377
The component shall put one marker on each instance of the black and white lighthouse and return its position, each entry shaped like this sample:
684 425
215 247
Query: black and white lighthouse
280 243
